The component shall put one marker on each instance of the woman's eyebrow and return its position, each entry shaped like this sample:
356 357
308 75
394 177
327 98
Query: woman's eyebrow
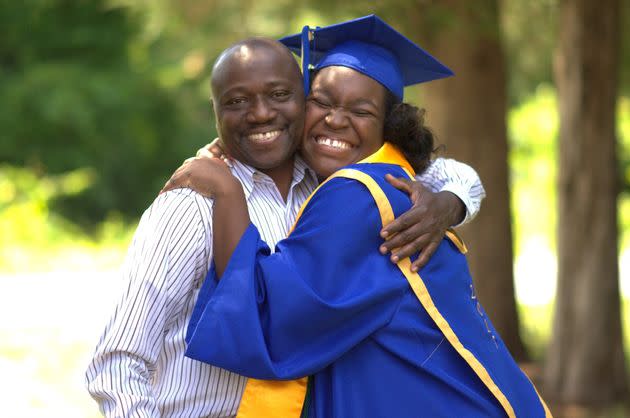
363 101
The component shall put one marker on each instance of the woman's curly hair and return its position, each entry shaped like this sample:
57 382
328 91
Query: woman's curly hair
404 127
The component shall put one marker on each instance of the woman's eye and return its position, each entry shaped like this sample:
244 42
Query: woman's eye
361 112
320 102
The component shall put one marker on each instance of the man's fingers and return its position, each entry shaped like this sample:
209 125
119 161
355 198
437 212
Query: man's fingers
399 183
410 248
405 237
405 221
425 256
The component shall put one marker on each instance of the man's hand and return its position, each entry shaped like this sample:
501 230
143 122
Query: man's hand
422 227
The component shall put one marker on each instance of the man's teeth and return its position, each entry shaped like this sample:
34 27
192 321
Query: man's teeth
265 136
334 143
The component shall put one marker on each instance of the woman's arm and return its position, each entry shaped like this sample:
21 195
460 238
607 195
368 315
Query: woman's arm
212 177
324 290
230 219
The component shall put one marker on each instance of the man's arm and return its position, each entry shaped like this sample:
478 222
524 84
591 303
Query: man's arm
453 197
448 175
169 253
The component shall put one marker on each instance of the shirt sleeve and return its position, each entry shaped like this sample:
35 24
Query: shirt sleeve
458 178
169 254
291 313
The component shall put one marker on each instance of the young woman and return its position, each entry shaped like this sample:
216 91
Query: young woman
376 339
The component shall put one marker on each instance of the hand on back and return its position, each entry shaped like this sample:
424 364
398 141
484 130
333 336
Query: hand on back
207 173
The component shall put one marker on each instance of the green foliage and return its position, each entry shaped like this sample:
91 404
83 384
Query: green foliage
533 130
31 231
623 147
71 99
529 36
81 31
623 135
120 87
625 48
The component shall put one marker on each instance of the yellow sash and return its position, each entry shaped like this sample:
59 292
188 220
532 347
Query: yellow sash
271 398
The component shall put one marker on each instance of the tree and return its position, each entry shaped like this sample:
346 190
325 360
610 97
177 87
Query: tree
585 361
468 113
71 98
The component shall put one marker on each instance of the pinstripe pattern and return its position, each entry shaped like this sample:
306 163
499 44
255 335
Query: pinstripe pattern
138 369
458 178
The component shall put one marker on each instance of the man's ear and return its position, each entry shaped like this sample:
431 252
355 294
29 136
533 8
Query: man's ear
214 111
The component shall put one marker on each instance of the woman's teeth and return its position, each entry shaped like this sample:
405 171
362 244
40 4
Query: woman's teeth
264 137
333 143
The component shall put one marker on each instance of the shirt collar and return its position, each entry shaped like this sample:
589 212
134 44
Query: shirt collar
390 154
249 175
245 174
302 171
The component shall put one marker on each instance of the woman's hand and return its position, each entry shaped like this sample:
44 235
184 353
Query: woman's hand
422 227
207 173
215 149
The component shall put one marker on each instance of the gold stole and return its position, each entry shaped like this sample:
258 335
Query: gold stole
271 399
276 398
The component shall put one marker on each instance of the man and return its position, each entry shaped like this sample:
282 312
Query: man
139 368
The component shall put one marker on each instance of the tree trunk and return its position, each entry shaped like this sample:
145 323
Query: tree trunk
468 114
585 361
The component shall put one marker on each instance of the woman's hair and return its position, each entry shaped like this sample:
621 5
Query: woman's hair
404 127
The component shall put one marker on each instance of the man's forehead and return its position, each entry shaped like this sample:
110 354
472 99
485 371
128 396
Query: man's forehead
247 53
256 62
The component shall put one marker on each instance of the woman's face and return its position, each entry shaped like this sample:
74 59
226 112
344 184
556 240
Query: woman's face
345 113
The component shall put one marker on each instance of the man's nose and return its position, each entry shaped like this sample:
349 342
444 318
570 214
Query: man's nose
261 111
336 119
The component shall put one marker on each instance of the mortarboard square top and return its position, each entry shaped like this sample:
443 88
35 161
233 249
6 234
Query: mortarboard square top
370 46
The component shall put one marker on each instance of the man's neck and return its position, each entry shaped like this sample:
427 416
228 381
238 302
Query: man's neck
282 176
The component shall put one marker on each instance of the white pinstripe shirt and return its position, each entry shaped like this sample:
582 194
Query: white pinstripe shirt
139 368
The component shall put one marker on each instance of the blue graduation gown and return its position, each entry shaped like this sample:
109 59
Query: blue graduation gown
328 304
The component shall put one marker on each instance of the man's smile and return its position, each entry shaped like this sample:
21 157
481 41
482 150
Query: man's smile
264 137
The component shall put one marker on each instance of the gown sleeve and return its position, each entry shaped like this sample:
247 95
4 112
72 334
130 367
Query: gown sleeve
291 313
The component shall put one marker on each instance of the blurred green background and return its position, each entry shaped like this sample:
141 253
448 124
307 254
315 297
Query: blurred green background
101 100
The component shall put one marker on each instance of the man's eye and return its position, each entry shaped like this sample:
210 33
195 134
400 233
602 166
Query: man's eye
236 101
280 94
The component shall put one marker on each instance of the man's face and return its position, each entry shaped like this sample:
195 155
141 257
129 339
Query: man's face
259 105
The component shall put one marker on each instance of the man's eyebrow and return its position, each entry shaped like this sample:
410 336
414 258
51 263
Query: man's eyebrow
280 82
230 92
273 83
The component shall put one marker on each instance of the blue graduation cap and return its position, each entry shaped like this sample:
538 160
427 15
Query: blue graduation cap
369 46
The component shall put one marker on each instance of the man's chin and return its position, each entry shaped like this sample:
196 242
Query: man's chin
272 161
